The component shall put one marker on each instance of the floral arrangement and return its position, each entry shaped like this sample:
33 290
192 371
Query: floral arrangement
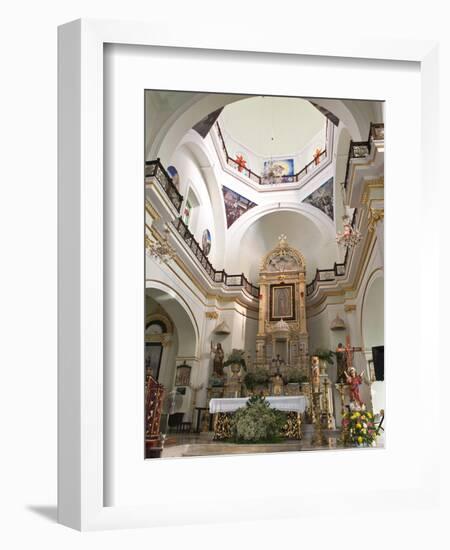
325 355
257 422
236 357
360 428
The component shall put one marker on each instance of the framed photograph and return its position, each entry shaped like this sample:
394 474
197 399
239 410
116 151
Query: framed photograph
261 275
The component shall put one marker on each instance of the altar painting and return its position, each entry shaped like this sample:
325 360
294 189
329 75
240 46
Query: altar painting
282 302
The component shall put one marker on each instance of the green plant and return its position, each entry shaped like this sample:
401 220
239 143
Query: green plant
260 377
295 376
325 355
257 422
216 381
236 357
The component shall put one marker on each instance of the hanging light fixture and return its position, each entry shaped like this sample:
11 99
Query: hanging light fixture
272 170
350 236
160 250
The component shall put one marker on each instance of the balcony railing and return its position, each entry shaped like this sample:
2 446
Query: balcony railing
154 168
262 180
361 149
214 275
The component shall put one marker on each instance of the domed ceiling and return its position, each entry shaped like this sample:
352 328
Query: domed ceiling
272 126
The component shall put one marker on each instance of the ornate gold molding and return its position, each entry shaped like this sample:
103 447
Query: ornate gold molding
375 215
377 183
349 307
151 211
211 315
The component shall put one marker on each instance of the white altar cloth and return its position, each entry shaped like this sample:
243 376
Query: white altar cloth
295 403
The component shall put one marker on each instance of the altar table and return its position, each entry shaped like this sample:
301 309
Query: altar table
296 403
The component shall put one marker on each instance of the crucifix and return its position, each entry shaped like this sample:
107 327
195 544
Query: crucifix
277 362
345 364
349 352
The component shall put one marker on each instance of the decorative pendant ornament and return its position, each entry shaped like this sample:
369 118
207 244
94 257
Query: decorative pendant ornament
350 236
241 162
160 250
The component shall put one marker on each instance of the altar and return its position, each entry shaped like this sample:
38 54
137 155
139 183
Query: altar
223 408
285 403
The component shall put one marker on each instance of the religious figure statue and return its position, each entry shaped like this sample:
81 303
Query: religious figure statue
354 381
277 384
218 359
341 361
315 373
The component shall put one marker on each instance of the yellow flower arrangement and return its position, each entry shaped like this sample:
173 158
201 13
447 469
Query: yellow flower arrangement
360 427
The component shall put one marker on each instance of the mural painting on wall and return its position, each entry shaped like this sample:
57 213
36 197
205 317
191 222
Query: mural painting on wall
206 242
330 116
173 173
183 375
322 198
204 126
235 205
280 167
153 353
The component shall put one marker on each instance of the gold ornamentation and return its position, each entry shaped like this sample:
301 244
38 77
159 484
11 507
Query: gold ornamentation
349 307
292 427
375 215
212 315
223 426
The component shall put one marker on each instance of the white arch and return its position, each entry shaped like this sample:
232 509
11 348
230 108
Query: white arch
366 324
323 223
178 308
183 119
206 162
322 226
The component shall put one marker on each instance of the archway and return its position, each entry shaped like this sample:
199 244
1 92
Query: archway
308 231
372 314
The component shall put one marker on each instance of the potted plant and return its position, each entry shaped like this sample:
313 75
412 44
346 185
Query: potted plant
237 361
295 378
258 379
325 358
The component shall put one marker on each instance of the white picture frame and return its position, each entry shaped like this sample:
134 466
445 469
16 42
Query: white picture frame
83 396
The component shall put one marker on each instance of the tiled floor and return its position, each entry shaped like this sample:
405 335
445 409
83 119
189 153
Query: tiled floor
186 444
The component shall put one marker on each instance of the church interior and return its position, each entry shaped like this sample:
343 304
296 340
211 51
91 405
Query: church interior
264 287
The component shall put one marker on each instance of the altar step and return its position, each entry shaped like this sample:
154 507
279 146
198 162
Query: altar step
205 445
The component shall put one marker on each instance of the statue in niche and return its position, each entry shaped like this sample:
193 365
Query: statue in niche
277 384
218 359
341 362
354 380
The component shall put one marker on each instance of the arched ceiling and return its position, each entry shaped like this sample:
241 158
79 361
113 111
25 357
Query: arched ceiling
170 303
301 233
272 126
